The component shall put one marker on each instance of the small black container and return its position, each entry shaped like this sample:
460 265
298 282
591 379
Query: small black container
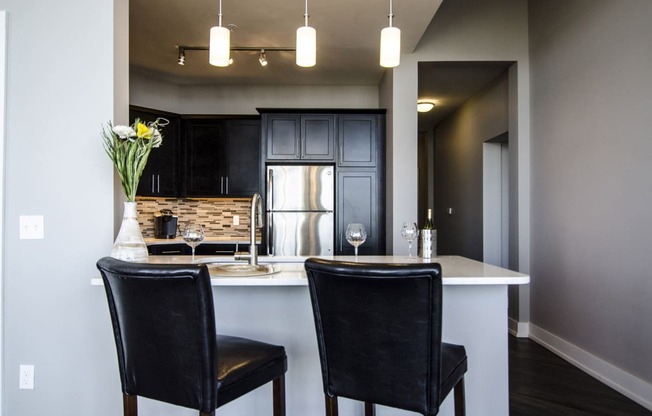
165 224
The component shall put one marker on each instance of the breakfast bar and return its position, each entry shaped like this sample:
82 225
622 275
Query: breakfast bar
276 308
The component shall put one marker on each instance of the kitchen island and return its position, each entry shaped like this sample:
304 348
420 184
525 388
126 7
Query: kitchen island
276 308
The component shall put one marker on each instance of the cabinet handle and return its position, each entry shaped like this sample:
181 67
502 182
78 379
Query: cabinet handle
171 252
152 183
340 242
227 185
158 184
221 184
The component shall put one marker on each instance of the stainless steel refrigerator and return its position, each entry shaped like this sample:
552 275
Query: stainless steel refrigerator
300 210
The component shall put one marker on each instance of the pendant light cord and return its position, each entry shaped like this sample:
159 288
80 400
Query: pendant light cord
219 16
391 13
305 15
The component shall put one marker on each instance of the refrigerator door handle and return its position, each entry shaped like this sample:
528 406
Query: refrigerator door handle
270 230
270 189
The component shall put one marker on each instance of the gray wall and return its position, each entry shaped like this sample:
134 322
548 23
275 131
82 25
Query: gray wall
458 168
60 89
592 178
463 30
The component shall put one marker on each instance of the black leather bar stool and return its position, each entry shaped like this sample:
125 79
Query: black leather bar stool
379 336
168 350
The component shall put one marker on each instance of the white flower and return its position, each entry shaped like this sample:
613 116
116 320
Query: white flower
157 139
124 132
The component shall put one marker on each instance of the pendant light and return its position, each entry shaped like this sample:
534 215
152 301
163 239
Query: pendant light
390 43
306 43
219 47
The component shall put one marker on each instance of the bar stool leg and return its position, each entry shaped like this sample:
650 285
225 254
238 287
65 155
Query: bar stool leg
331 405
130 405
460 405
278 388
369 409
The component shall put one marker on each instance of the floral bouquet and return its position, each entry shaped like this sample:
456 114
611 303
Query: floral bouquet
129 147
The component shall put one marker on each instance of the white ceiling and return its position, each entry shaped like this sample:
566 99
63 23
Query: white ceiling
348 39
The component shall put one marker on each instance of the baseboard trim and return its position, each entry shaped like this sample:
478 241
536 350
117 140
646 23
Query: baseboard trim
519 329
625 383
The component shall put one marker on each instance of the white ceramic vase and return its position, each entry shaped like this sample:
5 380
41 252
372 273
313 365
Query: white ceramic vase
129 244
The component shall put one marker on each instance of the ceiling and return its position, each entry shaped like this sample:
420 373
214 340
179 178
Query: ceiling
348 44
450 84
348 39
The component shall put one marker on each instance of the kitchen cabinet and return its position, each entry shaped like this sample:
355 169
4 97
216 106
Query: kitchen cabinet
222 157
169 249
358 138
161 174
299 136
360 200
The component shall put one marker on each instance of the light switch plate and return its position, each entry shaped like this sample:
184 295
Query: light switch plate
31 227
236 220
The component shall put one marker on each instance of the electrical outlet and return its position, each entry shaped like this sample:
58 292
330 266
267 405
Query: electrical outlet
31 227
26 380
236 220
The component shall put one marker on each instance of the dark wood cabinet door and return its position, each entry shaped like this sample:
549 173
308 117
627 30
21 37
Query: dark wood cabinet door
282 133
161 174
242 164
318 137
357 202
204 157
358 140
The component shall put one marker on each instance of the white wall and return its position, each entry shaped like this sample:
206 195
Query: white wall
463 30
60 89
592 184
244 99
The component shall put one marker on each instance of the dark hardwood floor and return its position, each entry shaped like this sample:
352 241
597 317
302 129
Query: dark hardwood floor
543 384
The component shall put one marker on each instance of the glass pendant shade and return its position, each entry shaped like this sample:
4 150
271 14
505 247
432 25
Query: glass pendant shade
219 47
390 47
306 46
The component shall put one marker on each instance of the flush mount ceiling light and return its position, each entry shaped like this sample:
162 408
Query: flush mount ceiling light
306 43
262 58
220 43
182 56
425 106
390 43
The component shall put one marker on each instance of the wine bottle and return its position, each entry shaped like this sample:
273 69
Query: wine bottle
426 236
428 224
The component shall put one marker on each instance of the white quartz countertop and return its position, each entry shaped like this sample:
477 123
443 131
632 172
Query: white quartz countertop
289 270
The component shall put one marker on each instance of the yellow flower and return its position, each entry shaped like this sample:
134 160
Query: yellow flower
144 131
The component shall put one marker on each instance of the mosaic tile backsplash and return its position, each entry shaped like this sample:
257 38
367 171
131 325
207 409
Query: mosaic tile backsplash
215 214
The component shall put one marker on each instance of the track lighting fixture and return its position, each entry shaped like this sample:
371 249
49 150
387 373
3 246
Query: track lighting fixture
262 58
220 43
306 43
182 56
390 43
262 52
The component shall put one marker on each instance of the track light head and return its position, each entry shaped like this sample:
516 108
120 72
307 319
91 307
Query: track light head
182 56
262 58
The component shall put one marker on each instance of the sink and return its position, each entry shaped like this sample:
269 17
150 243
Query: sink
240 269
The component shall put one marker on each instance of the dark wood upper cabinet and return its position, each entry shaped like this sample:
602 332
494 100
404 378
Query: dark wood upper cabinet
242 162
358 140
161 174
222 157
300 137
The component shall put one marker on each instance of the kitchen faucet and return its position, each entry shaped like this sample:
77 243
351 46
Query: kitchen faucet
256 221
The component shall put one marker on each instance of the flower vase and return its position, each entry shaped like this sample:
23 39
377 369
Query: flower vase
129 244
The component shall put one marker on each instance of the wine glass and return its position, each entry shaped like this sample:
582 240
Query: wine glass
193 235
409 232
356 235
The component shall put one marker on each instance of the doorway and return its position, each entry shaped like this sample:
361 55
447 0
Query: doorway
495 201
